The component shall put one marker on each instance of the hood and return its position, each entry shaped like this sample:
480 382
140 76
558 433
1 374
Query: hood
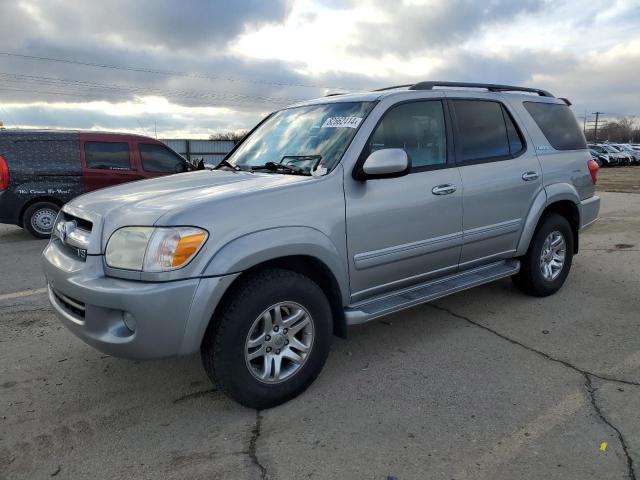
145 202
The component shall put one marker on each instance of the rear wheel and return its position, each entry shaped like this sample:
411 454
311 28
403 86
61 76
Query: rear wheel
38 219
544 269
270 340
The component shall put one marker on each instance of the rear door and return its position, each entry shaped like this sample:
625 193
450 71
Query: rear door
156 159
106 160
501 177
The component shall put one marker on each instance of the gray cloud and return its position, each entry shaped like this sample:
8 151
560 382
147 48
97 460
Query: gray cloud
414 28
192 37
173 25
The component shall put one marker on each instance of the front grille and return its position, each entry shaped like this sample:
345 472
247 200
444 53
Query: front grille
74 234
81 222
73 306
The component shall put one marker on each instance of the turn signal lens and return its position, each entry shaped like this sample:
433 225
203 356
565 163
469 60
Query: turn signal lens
187 247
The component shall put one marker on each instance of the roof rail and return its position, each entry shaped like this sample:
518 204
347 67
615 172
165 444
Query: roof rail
489 86
392 87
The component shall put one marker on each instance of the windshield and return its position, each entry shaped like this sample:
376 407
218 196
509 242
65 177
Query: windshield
303 138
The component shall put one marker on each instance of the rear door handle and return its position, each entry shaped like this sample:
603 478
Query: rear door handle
529 176
445 189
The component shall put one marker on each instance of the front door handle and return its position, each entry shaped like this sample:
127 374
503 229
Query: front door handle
445 189
530 176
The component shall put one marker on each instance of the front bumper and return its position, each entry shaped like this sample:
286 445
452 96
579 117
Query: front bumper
589 210
168 318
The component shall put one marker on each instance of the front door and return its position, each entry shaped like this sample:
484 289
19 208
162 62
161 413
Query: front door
404 230
157 160
501 178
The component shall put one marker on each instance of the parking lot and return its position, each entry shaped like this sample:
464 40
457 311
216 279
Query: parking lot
620 179
485 384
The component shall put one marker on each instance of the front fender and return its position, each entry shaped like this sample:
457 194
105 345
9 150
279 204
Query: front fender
254 248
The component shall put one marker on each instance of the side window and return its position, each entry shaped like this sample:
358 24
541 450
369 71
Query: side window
107 155
482 130
416 127
159 159
558 125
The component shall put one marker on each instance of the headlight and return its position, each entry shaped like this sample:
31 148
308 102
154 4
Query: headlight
151 249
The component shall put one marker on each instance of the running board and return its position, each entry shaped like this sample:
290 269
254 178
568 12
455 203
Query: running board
371 309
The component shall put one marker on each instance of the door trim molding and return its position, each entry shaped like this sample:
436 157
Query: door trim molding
397 253
491 231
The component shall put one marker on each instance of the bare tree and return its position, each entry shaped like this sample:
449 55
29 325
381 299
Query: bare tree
233 136
621 130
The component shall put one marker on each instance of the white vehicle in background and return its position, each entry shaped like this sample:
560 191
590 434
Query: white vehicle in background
634 153
604 156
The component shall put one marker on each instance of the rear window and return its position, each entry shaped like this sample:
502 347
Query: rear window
107 155
558 125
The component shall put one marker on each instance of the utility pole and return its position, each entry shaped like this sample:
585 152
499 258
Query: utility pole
595 133
584 124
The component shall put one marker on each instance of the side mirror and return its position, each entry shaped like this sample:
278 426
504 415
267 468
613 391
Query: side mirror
386 163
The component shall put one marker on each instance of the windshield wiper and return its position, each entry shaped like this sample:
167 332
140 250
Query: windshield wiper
226 163
274 167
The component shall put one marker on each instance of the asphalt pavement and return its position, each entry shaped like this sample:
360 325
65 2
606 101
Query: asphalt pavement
485 384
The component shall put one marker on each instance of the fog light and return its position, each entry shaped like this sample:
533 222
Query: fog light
129 321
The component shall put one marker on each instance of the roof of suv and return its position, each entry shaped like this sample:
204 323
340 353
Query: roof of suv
369 96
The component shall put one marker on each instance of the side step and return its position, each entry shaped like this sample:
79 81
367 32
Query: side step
371 309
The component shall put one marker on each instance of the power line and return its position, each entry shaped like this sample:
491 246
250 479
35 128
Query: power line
87 85
82 83
168 72
92 97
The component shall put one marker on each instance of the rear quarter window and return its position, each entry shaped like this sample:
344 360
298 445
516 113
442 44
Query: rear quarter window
558 125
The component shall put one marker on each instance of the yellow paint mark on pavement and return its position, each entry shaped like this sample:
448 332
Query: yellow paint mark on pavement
510 446
24 293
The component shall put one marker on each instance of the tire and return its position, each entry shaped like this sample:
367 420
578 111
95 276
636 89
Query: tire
531 278
38 219
227 342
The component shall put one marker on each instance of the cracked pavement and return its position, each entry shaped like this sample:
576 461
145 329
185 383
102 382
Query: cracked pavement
485 384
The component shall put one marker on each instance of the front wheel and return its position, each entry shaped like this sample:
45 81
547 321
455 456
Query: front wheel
544 269
270 340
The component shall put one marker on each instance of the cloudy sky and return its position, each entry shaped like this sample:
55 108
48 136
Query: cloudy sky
193 67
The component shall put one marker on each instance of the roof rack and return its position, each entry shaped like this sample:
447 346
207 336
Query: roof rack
489 86
392 88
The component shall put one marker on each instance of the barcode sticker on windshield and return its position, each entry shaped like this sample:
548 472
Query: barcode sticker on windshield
342 122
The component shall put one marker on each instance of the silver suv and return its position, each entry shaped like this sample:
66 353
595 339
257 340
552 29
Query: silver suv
331 213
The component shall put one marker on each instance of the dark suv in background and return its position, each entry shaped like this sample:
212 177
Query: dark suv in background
42 170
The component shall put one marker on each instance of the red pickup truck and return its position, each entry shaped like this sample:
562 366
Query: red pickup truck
42 170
